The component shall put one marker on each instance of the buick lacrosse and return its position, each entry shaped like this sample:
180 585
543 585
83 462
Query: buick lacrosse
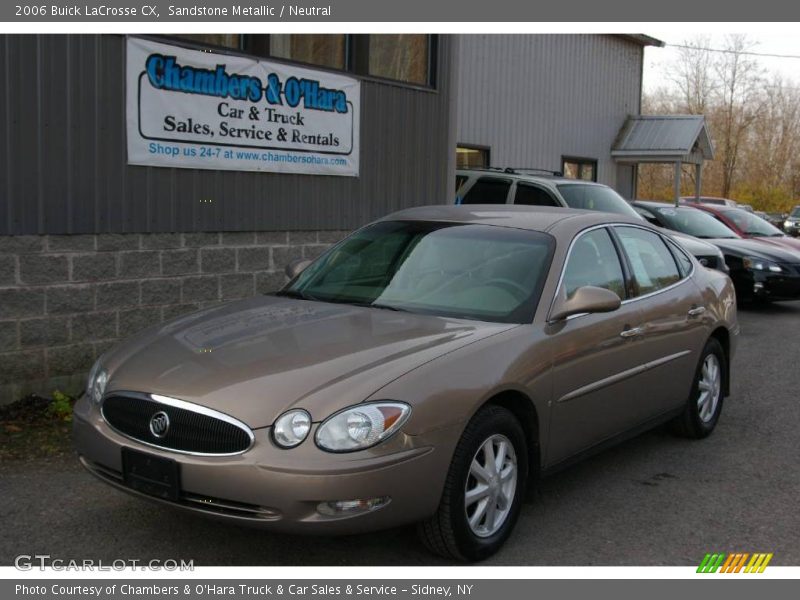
426 369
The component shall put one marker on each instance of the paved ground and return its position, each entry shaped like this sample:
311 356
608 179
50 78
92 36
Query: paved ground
656 500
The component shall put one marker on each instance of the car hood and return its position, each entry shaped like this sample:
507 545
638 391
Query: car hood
787 242
693 245
256 358
758 248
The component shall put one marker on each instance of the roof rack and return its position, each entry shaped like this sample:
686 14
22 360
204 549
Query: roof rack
513 170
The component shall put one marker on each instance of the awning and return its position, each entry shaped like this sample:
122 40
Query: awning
664 139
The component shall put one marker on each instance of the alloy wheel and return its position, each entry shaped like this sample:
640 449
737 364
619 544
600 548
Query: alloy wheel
709 387
491 485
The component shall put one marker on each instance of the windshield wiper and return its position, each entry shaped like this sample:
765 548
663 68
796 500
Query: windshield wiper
366 304
297 295
387 307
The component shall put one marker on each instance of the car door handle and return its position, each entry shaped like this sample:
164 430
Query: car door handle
696 311
630 333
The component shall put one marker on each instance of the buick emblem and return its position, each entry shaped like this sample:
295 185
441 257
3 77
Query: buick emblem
159 424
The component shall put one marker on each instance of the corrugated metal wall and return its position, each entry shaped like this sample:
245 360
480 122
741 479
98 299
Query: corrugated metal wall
63 165
535 98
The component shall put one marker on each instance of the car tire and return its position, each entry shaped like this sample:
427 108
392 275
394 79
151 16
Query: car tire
701 413
449 532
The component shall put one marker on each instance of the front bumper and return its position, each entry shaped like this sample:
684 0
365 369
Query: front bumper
279 489
767 286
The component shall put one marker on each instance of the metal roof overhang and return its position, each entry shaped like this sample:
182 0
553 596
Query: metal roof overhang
665 139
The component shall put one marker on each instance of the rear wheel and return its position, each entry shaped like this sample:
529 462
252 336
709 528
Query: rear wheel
484 488
703 408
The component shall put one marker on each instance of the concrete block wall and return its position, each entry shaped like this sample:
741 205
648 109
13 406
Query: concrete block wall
65 299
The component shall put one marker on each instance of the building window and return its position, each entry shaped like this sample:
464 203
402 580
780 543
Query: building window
579 168
315 49
403 57
472 157
220 40
407 58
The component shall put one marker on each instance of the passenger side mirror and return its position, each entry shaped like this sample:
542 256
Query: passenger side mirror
586 299
294 268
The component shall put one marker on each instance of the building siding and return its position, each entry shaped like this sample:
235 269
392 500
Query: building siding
535 98
63 164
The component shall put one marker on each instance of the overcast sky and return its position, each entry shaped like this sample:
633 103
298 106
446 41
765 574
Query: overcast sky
656 60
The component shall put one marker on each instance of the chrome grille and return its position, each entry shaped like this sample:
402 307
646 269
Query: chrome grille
191 428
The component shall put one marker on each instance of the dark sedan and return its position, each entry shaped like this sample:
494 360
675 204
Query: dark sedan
760 270
748 225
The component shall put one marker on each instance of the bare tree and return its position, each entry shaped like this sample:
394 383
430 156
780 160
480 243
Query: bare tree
741 103
754 123
693 74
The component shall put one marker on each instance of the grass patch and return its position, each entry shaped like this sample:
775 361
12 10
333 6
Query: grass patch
36 427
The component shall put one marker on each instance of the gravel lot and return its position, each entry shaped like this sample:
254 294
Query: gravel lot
655 500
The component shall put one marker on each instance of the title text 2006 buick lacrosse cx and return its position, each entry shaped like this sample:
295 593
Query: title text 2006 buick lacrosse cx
422 370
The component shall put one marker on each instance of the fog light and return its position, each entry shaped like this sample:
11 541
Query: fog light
758 286
335 508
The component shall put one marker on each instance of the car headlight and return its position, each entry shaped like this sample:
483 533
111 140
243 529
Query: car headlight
759 264
291 428
361 426
96 384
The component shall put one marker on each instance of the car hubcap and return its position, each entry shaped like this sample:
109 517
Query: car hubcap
710 388
491 485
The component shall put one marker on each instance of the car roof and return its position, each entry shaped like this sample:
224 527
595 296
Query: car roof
704 197
658 204
521 174
534 218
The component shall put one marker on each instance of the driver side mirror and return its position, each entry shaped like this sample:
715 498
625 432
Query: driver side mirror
294 268
586 299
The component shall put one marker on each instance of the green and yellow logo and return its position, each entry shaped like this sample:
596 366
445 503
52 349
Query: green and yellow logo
737 562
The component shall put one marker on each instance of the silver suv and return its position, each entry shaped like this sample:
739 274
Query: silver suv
537 187
792 223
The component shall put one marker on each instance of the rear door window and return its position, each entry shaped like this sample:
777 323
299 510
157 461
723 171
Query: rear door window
653 265
488 190
533 195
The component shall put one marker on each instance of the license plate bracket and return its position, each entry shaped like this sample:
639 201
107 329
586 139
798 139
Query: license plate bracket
152 475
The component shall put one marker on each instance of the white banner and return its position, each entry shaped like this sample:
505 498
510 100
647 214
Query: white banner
204 110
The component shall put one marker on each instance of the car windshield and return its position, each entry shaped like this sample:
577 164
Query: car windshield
694 222
751 224
458 270
596 197
796 211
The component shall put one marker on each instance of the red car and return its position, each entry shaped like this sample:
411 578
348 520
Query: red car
749 225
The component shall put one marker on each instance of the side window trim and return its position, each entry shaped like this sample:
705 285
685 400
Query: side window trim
627 270
675 248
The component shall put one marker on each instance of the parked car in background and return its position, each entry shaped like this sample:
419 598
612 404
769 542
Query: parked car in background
424 369
792 223
711 200
774 218
748 225
536 187
760 270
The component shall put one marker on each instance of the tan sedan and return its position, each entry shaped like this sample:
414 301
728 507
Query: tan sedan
424 370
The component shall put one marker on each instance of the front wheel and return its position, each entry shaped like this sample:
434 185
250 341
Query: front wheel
704 405
484 488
